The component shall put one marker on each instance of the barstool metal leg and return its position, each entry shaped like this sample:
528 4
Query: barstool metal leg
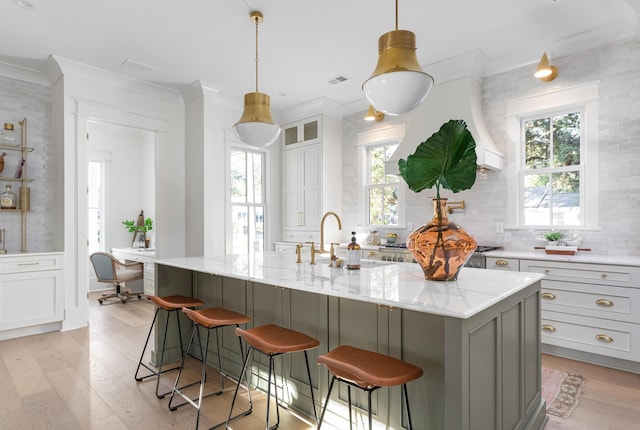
349 397
406 400
235 394
313 399
369 409
324 408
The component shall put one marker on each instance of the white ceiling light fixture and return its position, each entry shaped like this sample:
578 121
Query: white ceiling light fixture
256 127
398 84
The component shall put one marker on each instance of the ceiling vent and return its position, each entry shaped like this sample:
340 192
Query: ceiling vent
131 64
338 79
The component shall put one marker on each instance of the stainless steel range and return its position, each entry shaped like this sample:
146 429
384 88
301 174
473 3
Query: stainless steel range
478 259
399 253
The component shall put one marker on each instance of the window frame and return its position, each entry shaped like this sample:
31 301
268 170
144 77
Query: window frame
583 98
250 206
368 185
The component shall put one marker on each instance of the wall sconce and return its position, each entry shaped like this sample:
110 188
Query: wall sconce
373 114
451 206
545 72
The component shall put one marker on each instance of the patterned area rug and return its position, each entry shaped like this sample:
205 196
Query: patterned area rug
561 391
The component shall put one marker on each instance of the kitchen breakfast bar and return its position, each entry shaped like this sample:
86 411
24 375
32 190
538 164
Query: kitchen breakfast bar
477 339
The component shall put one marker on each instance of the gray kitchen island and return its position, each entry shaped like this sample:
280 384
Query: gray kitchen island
477 338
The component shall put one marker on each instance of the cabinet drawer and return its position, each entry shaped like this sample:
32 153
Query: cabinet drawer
503 263
301 236
623 276
615 303
30 263
598 336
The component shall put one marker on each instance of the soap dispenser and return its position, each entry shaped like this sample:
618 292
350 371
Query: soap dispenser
354 253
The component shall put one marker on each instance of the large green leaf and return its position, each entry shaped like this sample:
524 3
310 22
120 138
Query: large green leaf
448 159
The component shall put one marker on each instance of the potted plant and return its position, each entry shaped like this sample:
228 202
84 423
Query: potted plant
139 227
552 237
446 160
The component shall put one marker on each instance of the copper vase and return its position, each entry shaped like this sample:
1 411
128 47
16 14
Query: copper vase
441 247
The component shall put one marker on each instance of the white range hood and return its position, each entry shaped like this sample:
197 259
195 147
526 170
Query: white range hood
457 99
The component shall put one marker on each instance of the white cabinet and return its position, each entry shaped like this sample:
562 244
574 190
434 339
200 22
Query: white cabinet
31 293
311 176
305 131
590 308
511 264
142 255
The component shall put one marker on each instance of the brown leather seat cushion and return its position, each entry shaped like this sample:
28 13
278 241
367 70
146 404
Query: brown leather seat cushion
273 339
368 369
170 303
216 317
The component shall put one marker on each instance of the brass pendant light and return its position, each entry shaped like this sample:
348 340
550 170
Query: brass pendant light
256 127
398 84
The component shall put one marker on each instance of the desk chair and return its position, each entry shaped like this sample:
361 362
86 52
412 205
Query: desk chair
111 271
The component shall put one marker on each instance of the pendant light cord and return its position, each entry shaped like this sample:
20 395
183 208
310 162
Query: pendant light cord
257 21
396 15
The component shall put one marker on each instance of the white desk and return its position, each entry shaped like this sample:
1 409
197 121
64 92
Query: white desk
143 255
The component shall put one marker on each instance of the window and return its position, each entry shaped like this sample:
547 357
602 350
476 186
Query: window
552 170
554 180
95 200
381 189
247 201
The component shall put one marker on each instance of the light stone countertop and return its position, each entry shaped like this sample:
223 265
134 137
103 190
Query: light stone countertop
400 285
579 257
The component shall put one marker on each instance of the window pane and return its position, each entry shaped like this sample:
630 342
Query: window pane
536 200
375 206
238 177
566 140
257 177
537 143
566 198
258 237
376 165
240 229
390 205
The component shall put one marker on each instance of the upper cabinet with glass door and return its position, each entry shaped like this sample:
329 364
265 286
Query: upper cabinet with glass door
306 131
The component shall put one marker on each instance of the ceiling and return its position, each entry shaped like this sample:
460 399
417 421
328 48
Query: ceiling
303 44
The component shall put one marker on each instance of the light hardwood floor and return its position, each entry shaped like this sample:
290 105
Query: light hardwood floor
83 379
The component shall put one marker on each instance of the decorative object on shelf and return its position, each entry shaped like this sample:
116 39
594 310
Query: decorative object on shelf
398 83
391 238
545 72
141 226
8 198
446 159
8 135
20 169
256 127
24 198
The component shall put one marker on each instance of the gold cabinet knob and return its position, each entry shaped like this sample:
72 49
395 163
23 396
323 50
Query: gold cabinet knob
604 338
547 270
548 296
604 302
502 263
603 276
548 327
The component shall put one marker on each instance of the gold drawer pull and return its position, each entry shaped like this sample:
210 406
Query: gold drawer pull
547 270
502 263
547 327
372 253
604 302
604 338
548 296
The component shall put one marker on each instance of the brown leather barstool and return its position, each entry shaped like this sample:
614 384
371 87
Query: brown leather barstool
210 319
367 371
169 304
273 340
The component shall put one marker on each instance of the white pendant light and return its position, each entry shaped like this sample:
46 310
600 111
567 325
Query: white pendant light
256 127
398 84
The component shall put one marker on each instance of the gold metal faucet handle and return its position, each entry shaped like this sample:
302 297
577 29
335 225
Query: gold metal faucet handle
313 252
298 253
